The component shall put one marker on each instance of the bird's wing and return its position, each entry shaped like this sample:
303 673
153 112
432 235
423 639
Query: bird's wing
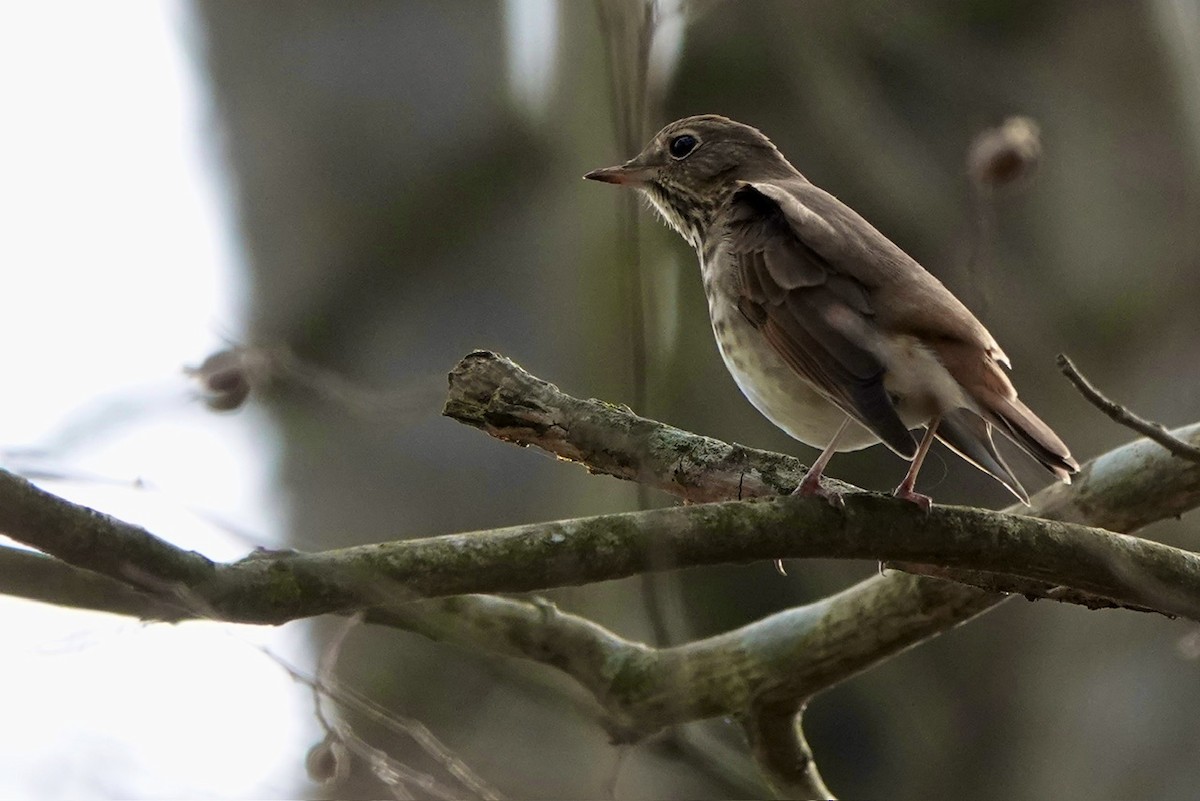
908 300
818 319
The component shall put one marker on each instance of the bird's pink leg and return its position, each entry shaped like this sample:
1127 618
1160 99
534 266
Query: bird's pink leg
905 490
811 483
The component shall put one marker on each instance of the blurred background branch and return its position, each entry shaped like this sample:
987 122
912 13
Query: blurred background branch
628 29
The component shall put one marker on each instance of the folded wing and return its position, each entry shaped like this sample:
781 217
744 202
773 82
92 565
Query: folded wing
800 256
816 319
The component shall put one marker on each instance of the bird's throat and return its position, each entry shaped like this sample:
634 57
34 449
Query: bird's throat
688 213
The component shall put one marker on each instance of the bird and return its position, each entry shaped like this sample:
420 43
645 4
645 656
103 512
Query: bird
829 329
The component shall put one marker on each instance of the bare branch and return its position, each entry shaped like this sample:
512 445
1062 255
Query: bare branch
37 577
1118 491
1125 489
534 630
779 747
778 662
274 588
1122 415
495 395
95 541
1031 589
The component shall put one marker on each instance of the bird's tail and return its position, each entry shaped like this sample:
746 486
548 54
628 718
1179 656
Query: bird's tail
1026 429
970 435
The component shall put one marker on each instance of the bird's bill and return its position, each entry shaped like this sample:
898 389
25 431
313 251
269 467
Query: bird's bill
630 174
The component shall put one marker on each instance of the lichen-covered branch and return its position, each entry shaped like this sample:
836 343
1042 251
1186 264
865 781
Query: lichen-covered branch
495 395
780 748
274 588
1031 589
774 664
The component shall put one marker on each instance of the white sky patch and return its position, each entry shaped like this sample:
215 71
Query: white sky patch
120 267
531 36
667 45
1178 26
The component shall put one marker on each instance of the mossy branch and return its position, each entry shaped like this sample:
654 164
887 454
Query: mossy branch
277 587
763 672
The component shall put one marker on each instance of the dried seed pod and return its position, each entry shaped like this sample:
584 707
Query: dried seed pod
1005 155
225 379
328 761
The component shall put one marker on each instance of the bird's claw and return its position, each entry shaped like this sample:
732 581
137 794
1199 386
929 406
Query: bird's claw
924 502
813 487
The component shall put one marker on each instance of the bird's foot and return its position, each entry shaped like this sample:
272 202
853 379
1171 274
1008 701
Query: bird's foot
811 485
906 494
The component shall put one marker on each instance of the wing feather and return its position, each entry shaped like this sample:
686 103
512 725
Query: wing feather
840 275
819 322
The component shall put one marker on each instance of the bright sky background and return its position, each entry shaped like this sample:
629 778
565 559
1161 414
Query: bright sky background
118 269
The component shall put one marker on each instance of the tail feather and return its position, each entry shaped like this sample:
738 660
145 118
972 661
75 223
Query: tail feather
1027 430
970 436
977 371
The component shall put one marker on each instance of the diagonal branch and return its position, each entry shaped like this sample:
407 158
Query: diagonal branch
1122 416
1120 491
1125 490
37 577
1007 584
772 666
495 395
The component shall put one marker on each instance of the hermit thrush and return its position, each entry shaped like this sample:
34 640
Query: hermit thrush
834 333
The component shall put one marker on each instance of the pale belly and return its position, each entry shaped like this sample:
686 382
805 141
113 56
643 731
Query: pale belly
775 389
914 377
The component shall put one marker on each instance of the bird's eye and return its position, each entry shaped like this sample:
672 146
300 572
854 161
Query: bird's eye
682 145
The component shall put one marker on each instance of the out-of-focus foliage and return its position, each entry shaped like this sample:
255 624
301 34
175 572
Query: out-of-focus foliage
402 204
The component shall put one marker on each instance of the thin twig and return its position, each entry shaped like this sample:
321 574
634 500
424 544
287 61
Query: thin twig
1122 415
393 773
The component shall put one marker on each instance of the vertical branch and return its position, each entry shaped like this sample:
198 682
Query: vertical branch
1176 22
627 28
782 753
979 203
999 158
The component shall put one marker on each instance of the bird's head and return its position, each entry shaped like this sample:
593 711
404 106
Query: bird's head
692 166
